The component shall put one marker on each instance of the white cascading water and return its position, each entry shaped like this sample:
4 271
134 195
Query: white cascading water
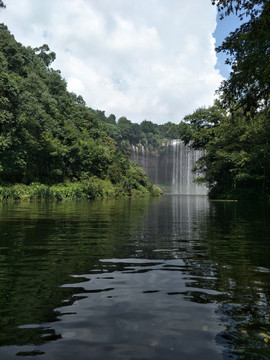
183 160
171 168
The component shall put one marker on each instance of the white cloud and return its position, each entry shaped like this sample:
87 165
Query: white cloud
151 59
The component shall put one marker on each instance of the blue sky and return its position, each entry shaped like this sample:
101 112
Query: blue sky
223 29
143 59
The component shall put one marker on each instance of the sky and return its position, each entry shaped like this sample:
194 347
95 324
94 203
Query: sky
143 59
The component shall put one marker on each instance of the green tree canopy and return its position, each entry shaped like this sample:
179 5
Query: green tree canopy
248 51
235 132
44 54
241 8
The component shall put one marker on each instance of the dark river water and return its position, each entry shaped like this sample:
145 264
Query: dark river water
178 277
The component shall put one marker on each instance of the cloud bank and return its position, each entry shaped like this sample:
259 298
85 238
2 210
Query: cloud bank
143 59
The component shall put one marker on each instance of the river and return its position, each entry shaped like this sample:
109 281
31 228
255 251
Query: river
176 277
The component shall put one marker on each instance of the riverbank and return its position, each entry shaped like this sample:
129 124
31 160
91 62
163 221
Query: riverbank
94 188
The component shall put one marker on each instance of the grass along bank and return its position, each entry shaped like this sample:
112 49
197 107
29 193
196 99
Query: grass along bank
94 188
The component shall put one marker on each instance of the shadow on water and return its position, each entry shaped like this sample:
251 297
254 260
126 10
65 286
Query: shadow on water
177 278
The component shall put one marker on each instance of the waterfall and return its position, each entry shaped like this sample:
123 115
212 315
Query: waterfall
171 167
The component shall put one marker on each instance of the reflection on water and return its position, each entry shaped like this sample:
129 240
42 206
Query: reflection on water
172 278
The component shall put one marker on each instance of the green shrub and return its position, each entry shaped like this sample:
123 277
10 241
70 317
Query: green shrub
92 188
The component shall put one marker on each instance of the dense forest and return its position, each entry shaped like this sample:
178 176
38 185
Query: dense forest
51 144
49 136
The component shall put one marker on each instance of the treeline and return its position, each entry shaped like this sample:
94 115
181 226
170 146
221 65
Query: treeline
49 136
147 133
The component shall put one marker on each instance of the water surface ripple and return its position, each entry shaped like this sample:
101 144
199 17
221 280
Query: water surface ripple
172 278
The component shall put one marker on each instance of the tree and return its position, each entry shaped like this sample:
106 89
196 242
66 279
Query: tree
246 96
149 127
248 51
240 7
2 5
198 128
170 130
236 162
44 54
